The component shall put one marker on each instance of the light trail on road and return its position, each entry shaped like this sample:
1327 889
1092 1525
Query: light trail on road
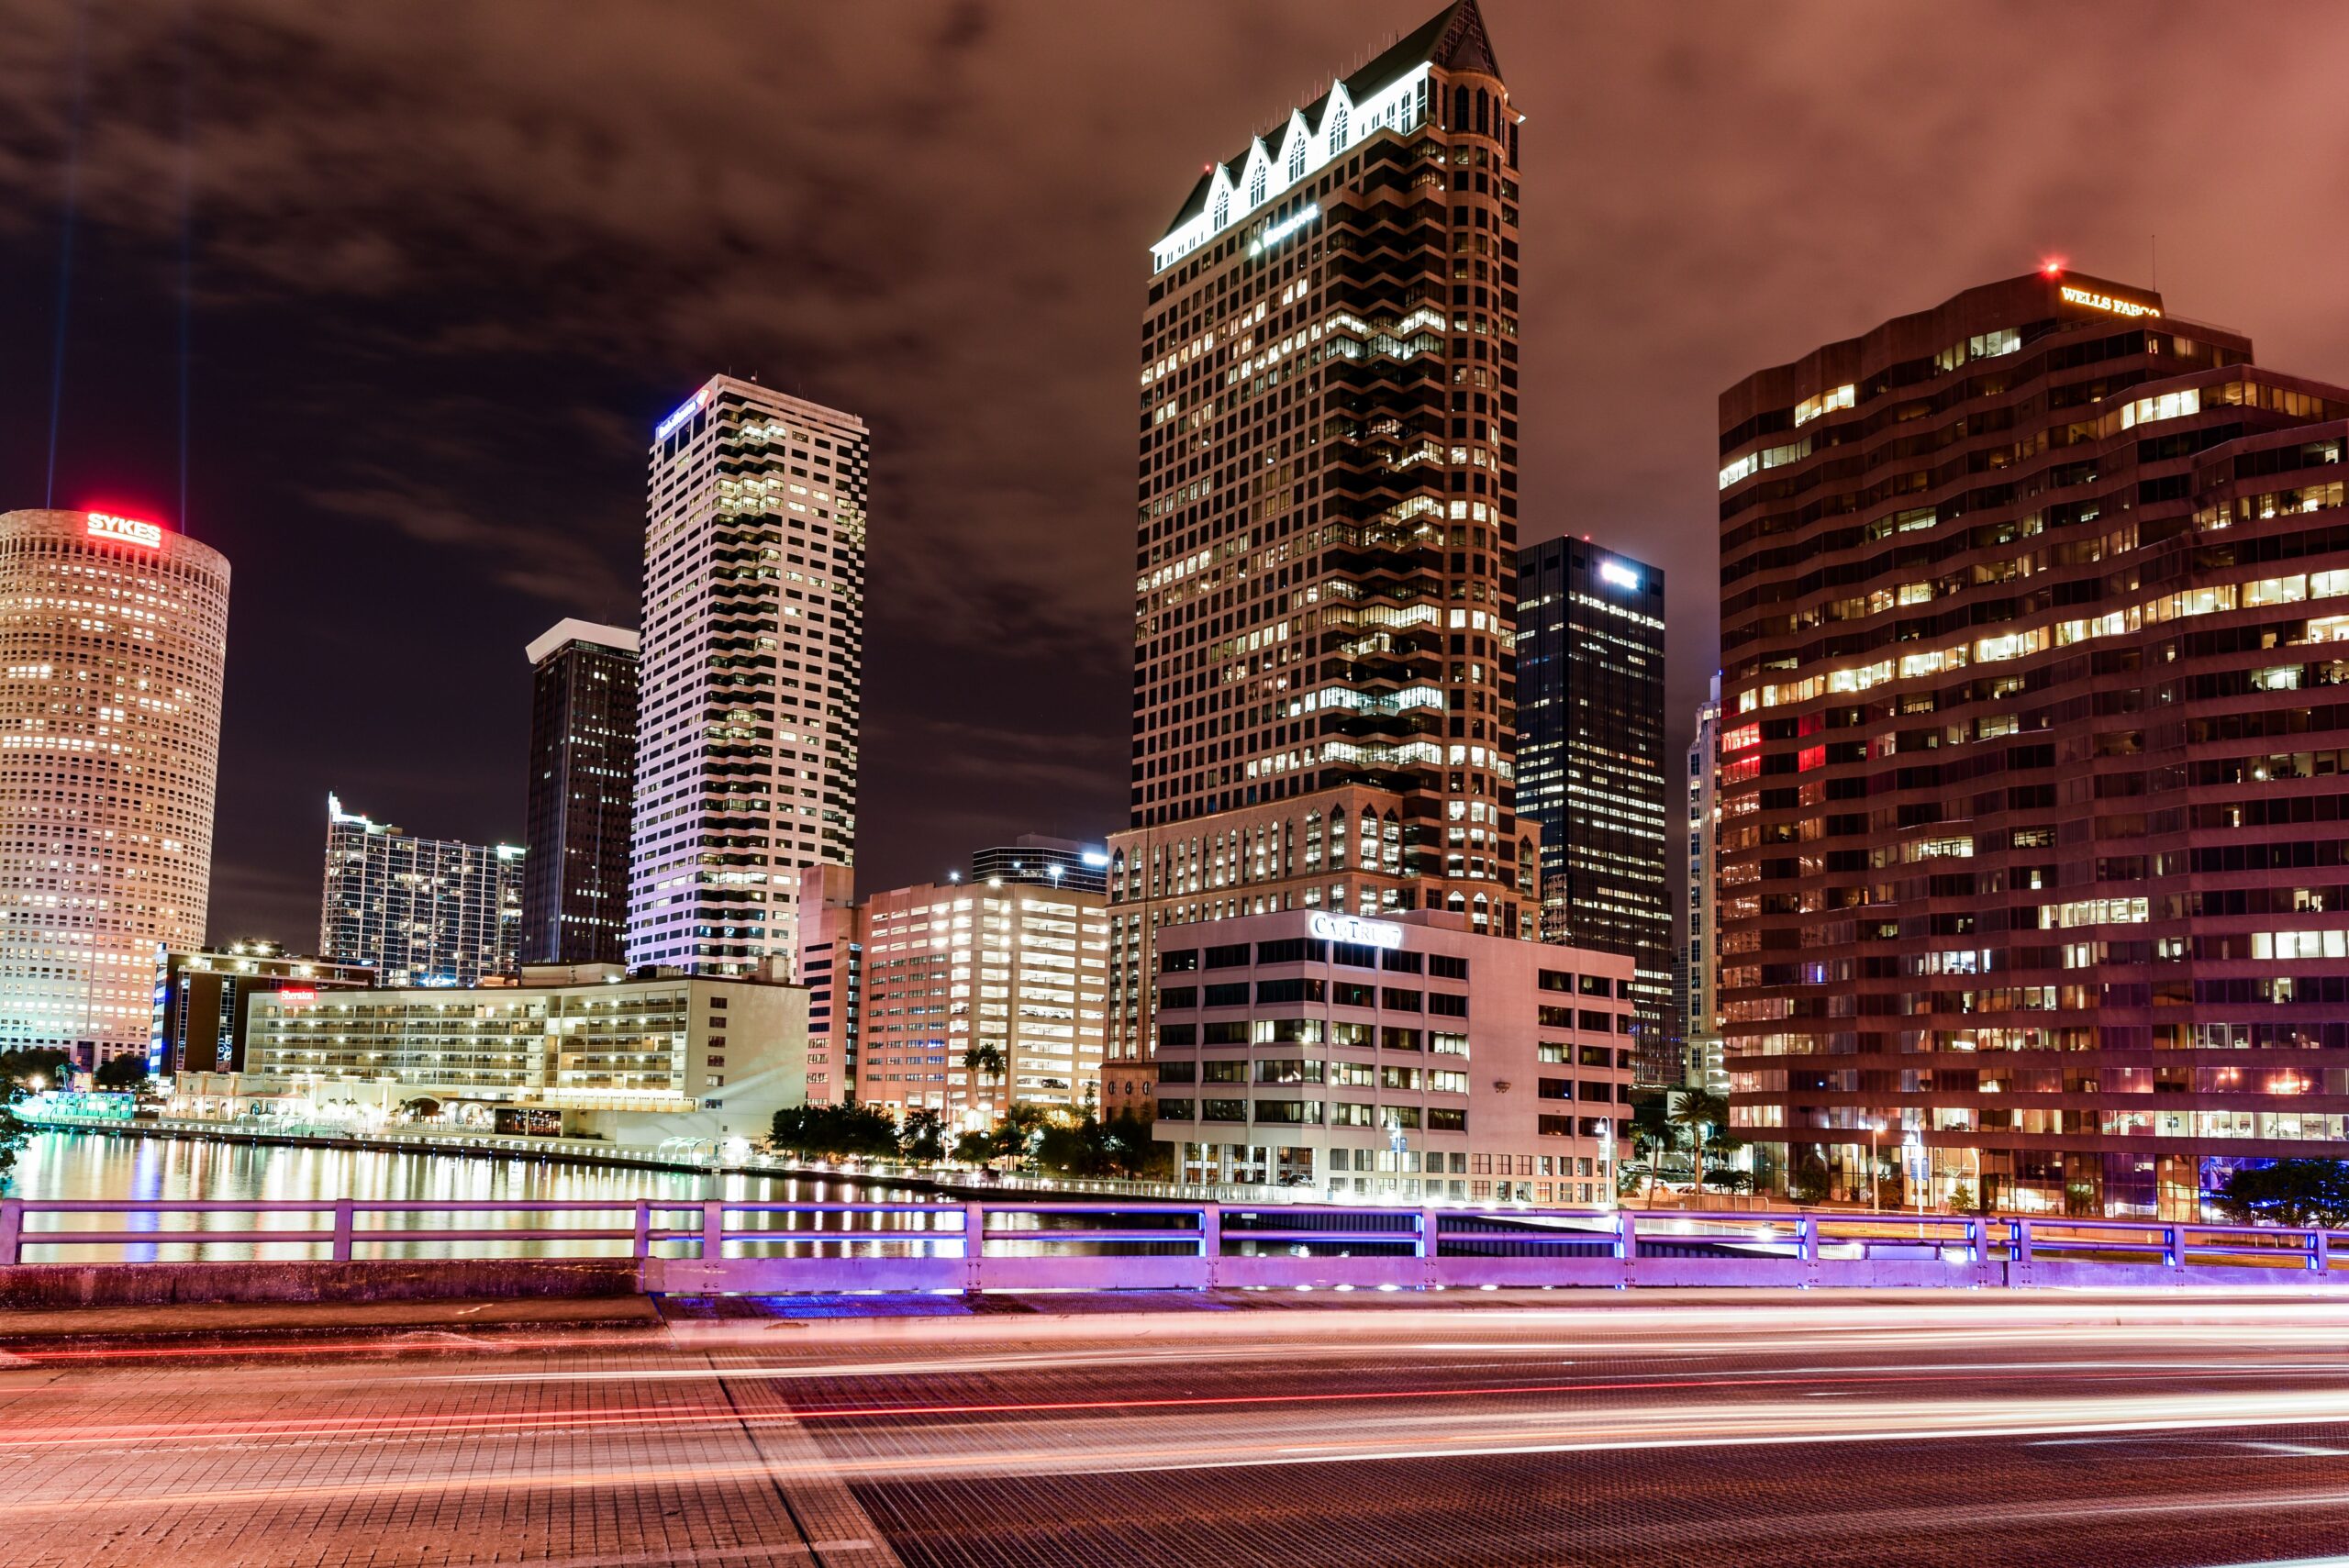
2177 1432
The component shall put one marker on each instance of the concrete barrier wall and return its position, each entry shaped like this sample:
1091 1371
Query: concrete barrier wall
28 1286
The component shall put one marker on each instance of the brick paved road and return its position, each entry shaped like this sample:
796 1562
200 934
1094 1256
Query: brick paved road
1972 1429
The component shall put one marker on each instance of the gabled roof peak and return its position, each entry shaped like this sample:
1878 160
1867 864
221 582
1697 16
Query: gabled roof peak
1454 39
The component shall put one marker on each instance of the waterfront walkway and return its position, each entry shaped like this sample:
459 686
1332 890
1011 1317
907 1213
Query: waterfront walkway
1762 1430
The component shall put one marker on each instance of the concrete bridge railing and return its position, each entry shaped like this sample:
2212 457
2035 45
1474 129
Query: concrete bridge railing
722 1246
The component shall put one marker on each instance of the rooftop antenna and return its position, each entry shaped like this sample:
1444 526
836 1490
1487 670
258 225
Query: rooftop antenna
2154 245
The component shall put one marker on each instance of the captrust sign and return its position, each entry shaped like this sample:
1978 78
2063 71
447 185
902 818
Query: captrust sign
1348 929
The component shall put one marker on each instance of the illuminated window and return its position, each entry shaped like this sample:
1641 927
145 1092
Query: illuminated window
1810 408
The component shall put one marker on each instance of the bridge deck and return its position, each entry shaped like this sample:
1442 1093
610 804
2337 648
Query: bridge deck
1968 1429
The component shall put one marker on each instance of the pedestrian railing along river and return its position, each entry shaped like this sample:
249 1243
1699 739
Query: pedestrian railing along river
704 1246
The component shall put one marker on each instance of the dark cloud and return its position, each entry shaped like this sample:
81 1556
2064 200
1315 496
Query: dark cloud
453 260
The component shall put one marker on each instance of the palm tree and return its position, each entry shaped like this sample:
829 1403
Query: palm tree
981 1061
1703 1113
1653 1134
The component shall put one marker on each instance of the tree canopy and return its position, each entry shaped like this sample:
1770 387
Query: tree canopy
121 1073
835 1131
2289 1192
921 1136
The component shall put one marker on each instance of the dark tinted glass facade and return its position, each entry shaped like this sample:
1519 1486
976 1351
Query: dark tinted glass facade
1590 765
582 770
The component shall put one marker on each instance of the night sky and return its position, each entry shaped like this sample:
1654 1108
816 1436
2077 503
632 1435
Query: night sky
451 263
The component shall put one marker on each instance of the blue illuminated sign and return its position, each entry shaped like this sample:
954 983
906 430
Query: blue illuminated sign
692 407
1283 229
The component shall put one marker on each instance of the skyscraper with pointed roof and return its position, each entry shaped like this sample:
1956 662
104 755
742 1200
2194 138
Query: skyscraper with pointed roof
1324 684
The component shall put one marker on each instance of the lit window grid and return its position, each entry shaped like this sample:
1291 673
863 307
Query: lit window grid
746 773
111 659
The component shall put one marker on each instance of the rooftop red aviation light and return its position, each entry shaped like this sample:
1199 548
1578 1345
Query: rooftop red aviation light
122 530
2053 267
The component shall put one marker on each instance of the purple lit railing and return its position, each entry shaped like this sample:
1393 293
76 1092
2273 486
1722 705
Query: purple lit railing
723 1245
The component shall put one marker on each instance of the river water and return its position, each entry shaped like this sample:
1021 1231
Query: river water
102 1165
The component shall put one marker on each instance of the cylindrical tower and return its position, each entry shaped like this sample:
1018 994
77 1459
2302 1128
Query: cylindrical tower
113 634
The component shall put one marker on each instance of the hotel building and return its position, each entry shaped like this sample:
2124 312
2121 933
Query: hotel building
203 1001
113 635
2031 866
750 673
1411 1058
1590 767
1325 559
573 1049
961 999
583 774
418 911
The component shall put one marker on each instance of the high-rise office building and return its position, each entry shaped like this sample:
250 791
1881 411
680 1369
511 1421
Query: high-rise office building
1700 946
113 635
961 997
1325 558
2031 865
418 911
1327 521
750 675
582 775
1590 767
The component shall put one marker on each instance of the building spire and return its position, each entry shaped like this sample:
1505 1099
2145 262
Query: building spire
1462 44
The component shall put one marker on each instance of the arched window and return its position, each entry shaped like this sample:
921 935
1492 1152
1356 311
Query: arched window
1256 187
1222 208
1459 108
1338 130
1295 159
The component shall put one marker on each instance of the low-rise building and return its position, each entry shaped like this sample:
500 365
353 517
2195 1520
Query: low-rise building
573 1048
1129 1088
1410 1057
961 999
203 999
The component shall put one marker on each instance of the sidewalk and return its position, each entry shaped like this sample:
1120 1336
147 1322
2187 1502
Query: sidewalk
224 1324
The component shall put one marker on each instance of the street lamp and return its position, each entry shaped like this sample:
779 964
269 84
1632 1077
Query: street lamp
1875 1179
1915 1170
1399 1144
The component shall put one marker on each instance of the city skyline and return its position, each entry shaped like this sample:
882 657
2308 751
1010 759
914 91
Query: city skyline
1688 902
1750 264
